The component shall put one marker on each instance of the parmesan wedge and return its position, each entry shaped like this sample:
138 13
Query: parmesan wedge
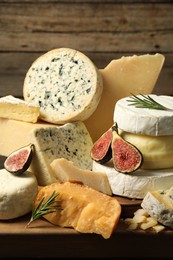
66 170
83 208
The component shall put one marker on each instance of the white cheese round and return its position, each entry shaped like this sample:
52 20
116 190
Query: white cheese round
137 184
143 120
65 84
17 194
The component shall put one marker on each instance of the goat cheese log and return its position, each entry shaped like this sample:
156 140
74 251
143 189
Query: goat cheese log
82 208
65 84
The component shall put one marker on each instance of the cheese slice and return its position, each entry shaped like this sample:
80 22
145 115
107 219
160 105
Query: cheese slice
15 134
83 208
66 170
18 109
137 184
17 194
121 77
159 204
71 141
144 120
157 151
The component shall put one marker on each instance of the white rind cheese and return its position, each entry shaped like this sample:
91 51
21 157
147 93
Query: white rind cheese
159 204
17 194
145 121
18 109
65 84
137 184
66 170
71 141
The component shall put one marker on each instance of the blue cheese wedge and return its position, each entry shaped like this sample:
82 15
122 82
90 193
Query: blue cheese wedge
17 194
71 141
65 84
143 120
18 109
159 204
137 184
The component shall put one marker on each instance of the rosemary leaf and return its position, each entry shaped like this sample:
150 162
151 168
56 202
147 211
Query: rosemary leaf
45 207
146 102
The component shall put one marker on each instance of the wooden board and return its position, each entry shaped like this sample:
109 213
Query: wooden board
42 239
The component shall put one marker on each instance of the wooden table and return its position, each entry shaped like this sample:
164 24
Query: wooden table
44 240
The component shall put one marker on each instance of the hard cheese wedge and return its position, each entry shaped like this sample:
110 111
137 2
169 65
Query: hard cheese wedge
17 109
71 141
121 77
66 170
15 134
83 208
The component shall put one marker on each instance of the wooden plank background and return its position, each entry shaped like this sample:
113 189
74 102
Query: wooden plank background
103 30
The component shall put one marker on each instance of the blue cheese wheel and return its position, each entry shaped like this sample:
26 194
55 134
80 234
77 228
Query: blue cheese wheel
17 194
65 84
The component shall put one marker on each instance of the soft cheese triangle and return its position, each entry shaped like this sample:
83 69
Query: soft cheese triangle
17 194
144 120
159 204
18 109
65 84
135 185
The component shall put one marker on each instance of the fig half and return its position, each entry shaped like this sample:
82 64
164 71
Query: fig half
101 150
126 157
19 161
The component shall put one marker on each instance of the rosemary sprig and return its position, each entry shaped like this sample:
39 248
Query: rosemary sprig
44 208
146 102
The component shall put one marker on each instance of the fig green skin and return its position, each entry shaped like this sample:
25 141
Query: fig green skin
103 144
24 166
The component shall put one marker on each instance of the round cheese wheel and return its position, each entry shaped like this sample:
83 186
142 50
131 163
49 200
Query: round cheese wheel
17 194
137 184
144 120
157 151
65 84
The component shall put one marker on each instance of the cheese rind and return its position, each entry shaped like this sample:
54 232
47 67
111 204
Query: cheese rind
71 141
159 204
66 170
83 208
65 84
143 120
121 77
157 151
18 109
135 185
17 194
